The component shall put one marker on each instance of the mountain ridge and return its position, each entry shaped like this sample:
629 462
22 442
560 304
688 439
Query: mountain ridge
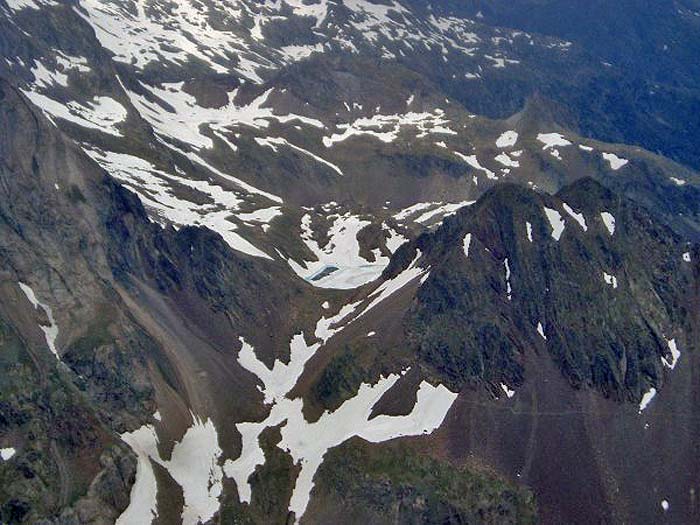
342 261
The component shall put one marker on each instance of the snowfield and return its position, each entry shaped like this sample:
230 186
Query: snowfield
332 428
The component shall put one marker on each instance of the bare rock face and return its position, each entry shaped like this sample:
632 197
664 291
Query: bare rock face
577 290
334 262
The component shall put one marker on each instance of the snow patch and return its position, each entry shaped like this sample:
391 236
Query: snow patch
444 210
184 120
615 162
414 209
540 330
505 160
100 113
338 264
675 354
578 217
465 244
194 465
154 188
386 128
273 142
18 5
143 500
50 331
677 181
351 419
7 453
509 289
510 393
391 286
609 221
552 140
556 222
610 280
474 163
507 139
646 399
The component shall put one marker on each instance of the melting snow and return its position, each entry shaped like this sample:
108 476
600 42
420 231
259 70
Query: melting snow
540 330
18 5
677 181
101 113
395 239
332 428
143 501
386 128
556 222
193 465
507 140
273 142
610 280
578 217
414 209
45 78
340 255
646 399
465 244
528 228
510 393
474 163
444 210
282 378
615 162
389 287
675 355
185 120
262 215
154 188
184 30
609 221
504 159
51 331
509 289
552 140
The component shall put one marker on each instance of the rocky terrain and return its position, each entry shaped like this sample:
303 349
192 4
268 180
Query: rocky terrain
344 261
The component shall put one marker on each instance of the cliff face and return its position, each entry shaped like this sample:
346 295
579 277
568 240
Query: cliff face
135 309
584 275
70 463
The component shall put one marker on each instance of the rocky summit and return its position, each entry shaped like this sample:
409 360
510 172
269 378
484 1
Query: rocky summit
349 261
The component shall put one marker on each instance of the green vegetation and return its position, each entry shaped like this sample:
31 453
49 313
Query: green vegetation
272 486
390 483
339 380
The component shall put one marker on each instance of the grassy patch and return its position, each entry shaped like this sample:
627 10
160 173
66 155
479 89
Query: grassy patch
392 484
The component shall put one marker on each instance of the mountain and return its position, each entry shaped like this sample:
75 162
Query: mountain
343 261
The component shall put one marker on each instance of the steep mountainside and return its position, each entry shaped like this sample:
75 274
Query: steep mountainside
314 261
